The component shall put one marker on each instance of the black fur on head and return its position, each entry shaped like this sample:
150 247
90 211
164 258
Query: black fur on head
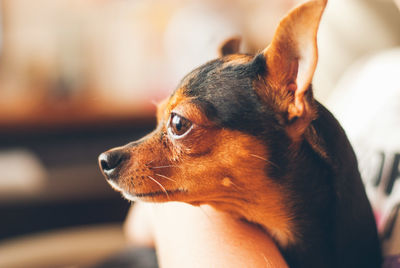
225 93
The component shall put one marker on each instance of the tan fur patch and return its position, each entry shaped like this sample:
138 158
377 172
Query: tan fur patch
226 182
236 59
161 108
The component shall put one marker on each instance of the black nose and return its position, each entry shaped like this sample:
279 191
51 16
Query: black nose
108 161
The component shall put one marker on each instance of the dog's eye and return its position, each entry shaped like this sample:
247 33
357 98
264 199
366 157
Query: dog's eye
179 126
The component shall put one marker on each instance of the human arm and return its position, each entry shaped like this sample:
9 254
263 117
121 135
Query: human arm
188 236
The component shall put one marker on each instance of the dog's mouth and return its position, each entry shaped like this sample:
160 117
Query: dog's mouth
150 195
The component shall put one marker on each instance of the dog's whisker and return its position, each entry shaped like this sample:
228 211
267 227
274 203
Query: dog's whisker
236 187
159 184
167 166
150 162
165 177
266 160
259 157
269 264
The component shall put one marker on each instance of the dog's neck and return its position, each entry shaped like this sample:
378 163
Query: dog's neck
266 206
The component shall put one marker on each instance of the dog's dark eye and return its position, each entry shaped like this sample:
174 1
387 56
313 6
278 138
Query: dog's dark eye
179 126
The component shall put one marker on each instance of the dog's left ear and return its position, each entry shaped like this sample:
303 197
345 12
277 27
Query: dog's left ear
291 61
230 46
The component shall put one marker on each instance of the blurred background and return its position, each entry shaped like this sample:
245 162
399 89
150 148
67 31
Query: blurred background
79 77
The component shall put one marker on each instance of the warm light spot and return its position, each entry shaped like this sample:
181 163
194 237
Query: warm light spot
226 182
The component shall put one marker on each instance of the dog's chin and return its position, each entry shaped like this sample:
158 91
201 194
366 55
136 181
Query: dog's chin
125 194
115 186
152 196
129 197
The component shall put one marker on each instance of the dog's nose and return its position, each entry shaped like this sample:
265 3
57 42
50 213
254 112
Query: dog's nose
108 161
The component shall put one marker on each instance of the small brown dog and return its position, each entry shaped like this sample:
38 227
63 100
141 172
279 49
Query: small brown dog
244 134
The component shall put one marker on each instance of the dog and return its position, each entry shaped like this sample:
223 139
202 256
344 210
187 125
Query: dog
244 134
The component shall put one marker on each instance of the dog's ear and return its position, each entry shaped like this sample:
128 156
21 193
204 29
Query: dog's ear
291 60
230 46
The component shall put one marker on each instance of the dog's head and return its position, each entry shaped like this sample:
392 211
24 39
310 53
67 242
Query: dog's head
221 134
